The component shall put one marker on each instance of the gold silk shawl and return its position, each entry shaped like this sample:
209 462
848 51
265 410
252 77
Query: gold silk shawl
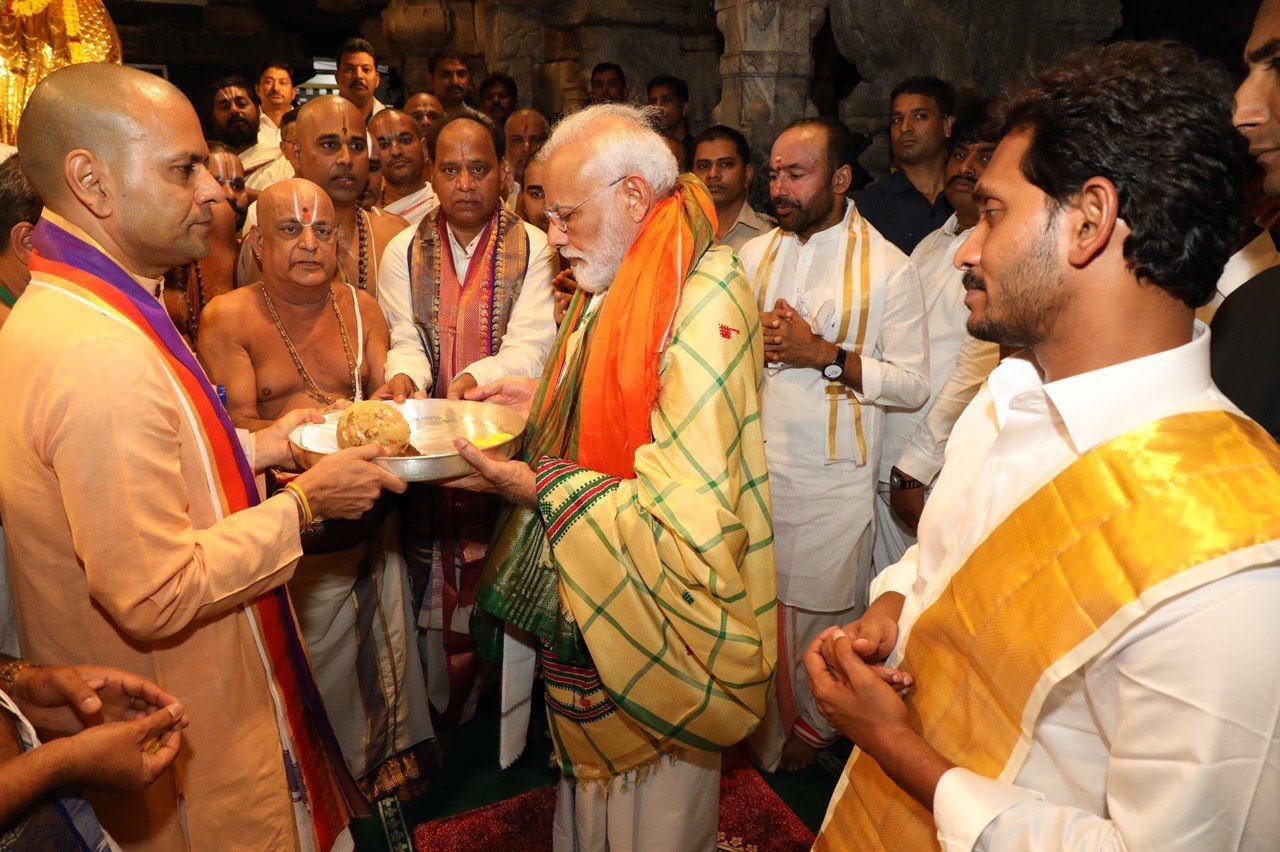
1129 525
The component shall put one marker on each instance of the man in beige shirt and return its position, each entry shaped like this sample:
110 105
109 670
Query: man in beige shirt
722 159
120 550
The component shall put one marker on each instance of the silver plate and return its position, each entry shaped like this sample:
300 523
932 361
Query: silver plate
433 424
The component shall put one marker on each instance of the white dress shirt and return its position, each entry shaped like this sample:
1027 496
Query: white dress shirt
530 329
1256 257
958 362
1168 738
415 206
823 507
268 132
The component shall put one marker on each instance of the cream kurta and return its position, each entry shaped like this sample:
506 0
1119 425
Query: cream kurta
116 559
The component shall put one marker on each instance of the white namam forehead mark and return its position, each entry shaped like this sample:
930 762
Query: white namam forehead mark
306 204
231 92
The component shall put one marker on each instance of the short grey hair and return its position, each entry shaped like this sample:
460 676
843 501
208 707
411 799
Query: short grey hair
623 141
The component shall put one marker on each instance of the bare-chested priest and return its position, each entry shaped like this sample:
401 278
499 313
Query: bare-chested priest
299 338
135 532
406 192
468 297
333 152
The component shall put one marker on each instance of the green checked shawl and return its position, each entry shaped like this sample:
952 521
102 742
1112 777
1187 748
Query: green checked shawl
653 598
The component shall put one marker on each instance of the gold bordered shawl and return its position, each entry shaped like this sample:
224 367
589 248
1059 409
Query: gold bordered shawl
500 265
856 294
1129 525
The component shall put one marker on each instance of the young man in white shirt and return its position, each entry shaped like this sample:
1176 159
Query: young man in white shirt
1088 614
911 436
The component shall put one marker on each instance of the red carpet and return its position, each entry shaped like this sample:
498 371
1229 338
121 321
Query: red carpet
752 819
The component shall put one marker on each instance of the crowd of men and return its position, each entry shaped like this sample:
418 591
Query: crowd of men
946 465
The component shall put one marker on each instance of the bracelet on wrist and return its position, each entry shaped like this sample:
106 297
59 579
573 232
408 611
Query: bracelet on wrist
308 517
10 671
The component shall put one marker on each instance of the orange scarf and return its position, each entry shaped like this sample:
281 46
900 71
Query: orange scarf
620 384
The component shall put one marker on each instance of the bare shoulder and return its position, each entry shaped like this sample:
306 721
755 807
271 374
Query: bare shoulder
385 227
232 313
369 307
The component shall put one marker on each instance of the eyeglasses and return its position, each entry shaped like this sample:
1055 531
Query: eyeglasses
561 220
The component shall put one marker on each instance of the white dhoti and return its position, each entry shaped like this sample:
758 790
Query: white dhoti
792 706
354 613
892 538
676 807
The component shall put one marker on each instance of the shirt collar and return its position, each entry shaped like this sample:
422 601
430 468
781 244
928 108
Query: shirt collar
952 226
1096 406
749 218
1252 260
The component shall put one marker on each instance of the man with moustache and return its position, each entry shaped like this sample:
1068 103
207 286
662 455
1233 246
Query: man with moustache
958 362
284 165
641 496
236 119
1245 346
468 298
298 339
450 80
358 78
136 534
406 192
275 93
427 112
608 84
526 131
1104 513
844 340
910 203
722 158
499 97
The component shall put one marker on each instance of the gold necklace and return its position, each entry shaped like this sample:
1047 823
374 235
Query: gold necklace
313 390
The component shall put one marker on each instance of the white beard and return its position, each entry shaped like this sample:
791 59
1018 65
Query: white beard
595 270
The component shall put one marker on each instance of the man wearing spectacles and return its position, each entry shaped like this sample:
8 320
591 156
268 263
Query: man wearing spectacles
468 297
643 484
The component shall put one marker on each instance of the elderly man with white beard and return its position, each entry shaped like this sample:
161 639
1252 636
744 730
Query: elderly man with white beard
635 553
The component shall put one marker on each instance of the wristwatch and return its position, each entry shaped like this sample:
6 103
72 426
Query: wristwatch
898 481
835 369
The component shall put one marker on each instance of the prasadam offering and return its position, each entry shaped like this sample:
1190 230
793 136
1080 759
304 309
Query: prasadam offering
373 422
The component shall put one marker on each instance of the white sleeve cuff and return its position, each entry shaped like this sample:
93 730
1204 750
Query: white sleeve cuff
872 379
965 803
918 465
899 577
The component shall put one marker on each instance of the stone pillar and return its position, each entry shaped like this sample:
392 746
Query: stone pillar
511 37
767 65
414 29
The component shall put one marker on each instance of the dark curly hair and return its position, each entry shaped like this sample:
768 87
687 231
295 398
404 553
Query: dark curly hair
1155 120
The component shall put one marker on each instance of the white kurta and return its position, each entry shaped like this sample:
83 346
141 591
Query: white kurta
1168 738
415 206
934 259
273 172
822 508
530 329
